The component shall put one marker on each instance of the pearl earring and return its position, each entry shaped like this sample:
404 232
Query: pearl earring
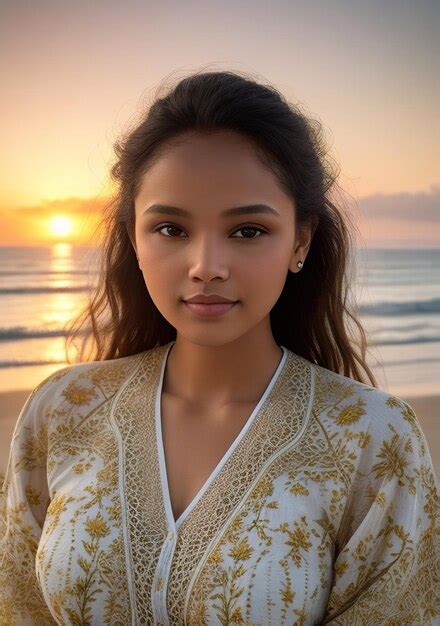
300 264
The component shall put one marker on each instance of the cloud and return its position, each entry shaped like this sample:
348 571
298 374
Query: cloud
401 219
417 207
73 205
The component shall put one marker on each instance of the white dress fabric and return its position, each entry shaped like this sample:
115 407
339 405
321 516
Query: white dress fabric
324 510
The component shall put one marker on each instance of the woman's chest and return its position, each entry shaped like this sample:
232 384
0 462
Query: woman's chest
112 552
266 559
195 443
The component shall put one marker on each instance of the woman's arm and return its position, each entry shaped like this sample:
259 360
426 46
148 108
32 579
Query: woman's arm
387 568
24 499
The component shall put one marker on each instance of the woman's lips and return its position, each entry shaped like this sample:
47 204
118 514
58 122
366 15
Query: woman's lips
210 310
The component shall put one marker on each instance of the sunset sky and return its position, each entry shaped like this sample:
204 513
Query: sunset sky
74 76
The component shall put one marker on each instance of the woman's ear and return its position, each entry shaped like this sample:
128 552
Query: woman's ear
303 241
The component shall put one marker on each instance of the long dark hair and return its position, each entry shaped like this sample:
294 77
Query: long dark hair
122 318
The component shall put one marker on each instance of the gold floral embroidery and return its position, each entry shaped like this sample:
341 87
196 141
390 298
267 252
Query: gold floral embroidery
352 412
327 512
77 394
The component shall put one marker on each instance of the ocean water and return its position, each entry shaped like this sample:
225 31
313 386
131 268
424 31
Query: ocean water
398 291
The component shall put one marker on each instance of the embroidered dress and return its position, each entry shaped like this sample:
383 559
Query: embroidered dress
324 510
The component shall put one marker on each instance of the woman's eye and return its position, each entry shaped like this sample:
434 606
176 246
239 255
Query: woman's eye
243 228
251 228
169 226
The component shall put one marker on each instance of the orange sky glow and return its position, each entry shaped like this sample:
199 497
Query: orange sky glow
364 70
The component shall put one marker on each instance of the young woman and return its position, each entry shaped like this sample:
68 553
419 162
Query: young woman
225 456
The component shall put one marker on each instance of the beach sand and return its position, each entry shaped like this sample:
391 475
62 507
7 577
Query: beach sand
427 409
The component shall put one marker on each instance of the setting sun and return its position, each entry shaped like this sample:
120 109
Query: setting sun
61 226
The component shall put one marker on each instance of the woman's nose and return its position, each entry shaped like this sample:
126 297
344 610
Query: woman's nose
207 259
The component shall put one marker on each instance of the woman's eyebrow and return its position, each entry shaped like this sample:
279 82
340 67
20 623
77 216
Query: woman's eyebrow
240 210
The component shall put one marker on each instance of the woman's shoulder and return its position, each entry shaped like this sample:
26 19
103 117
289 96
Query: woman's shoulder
350 405
373 433
78 385
89 372
65 397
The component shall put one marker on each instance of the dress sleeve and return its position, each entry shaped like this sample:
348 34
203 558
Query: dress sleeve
24 499
387 564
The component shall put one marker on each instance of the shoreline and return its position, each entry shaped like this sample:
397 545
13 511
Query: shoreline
427 409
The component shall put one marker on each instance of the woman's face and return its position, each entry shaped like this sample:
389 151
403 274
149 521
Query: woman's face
198 250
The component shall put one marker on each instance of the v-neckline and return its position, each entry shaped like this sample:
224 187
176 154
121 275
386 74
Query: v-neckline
173 523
